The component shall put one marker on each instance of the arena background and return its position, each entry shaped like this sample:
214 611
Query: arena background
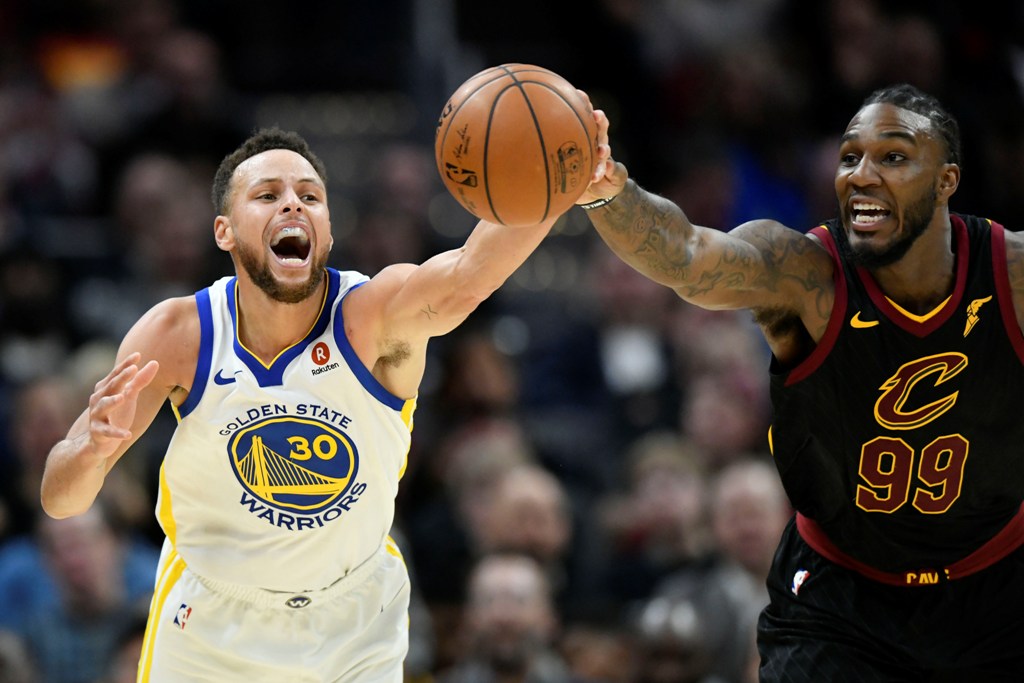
629 417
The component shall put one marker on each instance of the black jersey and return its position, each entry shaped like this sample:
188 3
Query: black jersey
898 435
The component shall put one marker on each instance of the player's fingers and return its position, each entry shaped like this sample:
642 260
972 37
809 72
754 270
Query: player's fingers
101 405
109 431
121 371
142 378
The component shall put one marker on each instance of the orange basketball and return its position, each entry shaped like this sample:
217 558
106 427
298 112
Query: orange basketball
516 144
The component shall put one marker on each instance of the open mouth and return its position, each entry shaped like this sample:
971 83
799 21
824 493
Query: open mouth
291 245
868 213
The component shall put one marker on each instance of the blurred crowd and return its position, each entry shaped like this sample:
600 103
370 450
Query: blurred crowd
589 496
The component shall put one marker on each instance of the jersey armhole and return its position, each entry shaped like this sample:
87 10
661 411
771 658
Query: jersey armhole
362 373
202 374
808 365
1004 294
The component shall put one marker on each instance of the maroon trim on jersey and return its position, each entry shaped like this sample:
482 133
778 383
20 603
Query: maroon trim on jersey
1008 539
1003 294
835 321
933 322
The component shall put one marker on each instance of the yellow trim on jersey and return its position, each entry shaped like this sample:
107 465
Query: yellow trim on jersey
392 548
771 442
919 318
168 577
165 514
320 312
407 410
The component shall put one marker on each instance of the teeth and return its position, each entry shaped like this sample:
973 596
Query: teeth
865 206
867 220
290 231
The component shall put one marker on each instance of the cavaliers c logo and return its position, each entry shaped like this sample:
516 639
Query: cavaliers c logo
294 463
893 409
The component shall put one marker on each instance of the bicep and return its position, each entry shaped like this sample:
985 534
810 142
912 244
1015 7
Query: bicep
758 265
168 334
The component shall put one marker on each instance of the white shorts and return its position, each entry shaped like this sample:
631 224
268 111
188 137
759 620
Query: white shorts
356 630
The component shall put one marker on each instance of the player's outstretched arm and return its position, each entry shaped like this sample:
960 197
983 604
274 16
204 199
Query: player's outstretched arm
153 358
760 264
405 305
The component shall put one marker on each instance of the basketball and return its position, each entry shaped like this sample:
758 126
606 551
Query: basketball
516 144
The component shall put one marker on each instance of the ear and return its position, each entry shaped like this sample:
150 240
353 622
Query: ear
949 180
224 233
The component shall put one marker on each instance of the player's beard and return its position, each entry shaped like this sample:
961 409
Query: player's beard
259 272
916 219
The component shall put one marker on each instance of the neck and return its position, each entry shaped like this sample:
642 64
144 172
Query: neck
267 327
925 276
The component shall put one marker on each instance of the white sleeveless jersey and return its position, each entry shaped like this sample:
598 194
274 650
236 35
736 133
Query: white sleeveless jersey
282 476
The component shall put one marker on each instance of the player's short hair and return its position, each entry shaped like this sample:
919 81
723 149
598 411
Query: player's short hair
261 141
906 96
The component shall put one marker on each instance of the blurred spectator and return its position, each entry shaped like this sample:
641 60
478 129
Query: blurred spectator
163 219
74 636
510 626
723 363
658 524
691 631
599 649
605 378
123 666
34 332
530 513
43 410
725 418
15 664
749 510
442 528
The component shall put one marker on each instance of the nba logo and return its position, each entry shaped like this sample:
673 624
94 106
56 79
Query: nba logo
182 616
798 580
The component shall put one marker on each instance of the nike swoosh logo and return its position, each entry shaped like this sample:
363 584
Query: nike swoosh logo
220 379
856 322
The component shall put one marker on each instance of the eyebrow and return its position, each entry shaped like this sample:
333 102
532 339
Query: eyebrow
262 181
898 134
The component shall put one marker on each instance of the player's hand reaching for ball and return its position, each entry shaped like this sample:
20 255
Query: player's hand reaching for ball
610 176
113 402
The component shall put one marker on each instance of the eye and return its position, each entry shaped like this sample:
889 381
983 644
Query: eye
310 197
849 160
894 157
267 196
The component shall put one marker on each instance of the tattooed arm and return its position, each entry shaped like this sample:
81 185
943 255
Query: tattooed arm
784 276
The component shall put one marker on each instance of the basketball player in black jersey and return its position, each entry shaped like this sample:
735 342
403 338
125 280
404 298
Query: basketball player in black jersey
897 364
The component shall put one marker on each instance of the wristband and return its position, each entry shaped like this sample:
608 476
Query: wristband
603 201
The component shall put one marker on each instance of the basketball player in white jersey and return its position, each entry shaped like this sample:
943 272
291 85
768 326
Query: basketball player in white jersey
294 386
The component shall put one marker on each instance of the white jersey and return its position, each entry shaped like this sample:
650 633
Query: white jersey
282 476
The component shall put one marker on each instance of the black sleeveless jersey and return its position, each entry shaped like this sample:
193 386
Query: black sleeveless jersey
898 435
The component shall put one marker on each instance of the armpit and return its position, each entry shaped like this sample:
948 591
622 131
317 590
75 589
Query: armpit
395 353
785 333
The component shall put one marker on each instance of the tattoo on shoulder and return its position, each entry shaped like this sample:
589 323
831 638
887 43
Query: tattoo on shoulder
429 312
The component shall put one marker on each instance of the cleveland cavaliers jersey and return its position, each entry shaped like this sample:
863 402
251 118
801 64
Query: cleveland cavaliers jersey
282 476
897 434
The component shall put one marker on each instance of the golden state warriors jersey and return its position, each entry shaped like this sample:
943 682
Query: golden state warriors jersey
282 475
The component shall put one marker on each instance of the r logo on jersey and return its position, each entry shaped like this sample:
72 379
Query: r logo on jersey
321 353
798 580
181 618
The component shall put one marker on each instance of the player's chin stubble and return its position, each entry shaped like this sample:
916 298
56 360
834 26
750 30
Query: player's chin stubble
259 273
